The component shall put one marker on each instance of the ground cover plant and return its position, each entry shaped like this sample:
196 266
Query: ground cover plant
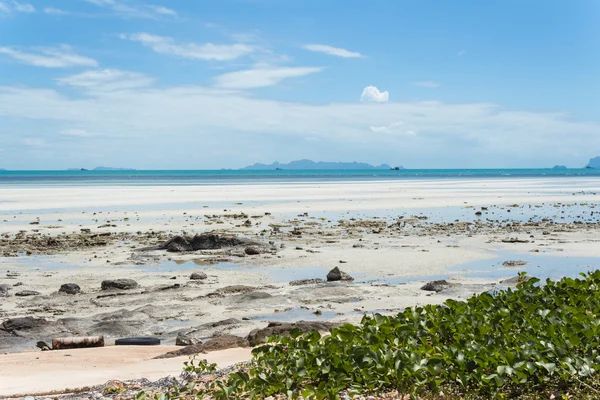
538 338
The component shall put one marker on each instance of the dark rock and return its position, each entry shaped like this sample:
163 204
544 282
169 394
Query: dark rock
122 284
515 280
435 286
70 288
198 276
259 336
252 251
337 275
14 325
248 223
306 282
4 290
206 241
26 293
217 343
515 263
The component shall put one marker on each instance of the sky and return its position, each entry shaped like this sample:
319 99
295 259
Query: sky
182 84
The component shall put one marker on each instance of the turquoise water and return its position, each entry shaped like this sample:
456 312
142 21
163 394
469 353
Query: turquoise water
215 177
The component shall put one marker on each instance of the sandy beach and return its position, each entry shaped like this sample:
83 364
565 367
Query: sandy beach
392 237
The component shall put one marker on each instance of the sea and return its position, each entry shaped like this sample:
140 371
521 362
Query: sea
221 177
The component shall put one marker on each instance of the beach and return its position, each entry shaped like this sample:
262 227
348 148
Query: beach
390 236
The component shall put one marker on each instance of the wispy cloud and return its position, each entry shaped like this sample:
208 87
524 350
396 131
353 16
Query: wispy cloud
461 53
204 51
262 76
75 133
397 128
107 80
49 57
35 142
4 8
134 10
372 94
426 84
55 11
23 7
332 51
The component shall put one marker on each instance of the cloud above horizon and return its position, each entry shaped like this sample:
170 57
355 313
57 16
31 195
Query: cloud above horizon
204 51
49 57
372 94
332 51
261 76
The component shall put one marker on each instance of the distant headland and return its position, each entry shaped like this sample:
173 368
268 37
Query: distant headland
594 163
309 164
102 169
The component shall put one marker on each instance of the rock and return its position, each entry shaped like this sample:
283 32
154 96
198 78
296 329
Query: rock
26 293
197 335
436 286
24 324
306 282
337 275
122 284
248 223
4 290
233 289
259 336
206 241
198 276
515 280
252 251
217 343
513 263
247 297
70 288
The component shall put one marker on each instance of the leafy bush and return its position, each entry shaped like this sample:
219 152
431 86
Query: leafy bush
532 339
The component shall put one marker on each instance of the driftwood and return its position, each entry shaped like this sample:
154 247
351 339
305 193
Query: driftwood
77 342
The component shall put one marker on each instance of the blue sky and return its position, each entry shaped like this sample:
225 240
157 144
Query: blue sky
212 84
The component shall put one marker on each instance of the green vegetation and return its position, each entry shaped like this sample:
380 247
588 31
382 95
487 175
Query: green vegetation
530 343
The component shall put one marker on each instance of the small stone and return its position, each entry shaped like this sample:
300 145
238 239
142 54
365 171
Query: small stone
435 286
252 251
26 293
123 284
198 276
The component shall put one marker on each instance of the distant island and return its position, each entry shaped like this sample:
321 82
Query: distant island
559 167
594 163
309 164
102 169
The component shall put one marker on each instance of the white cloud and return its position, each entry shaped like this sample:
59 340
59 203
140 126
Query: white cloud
442 133
427 84
205 51
23 7
333 51
107 80
163 10
132 11
461 53
35 142
54 11
372 94
49 57
261 77
75 133
4 8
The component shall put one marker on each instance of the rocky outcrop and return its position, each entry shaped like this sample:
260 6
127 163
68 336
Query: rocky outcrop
594 163
69 288
4 290
201 332
435 286
217 343
206 241
337 275
259 336
120 284
312 281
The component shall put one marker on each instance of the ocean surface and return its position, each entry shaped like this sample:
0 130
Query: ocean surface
216 177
